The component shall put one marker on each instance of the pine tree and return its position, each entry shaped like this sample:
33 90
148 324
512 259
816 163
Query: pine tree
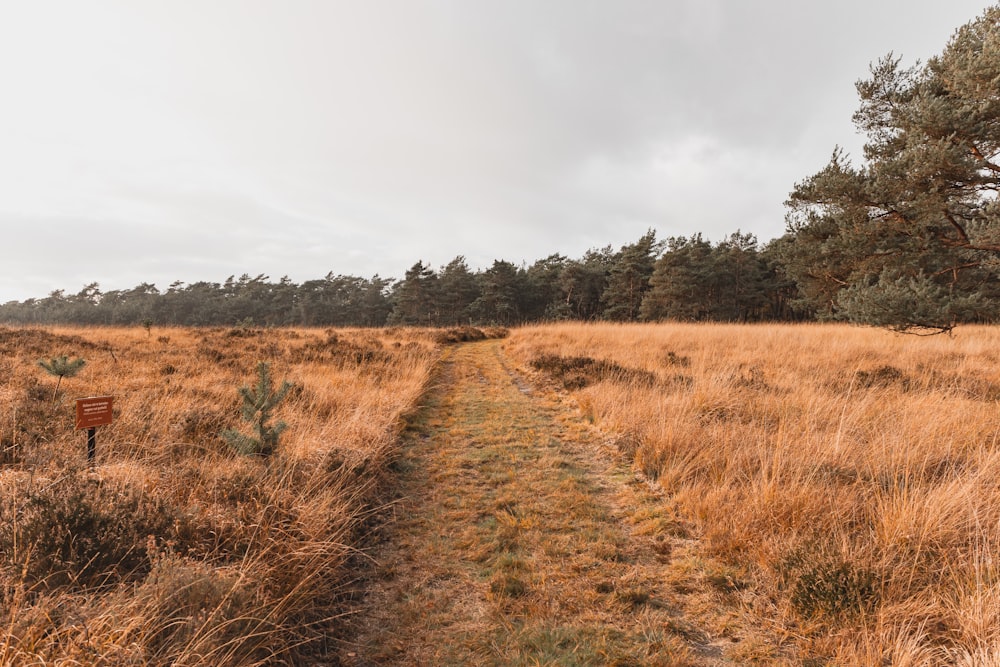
742 291
919 220
684 284
258 403
61 367
543 298
583 282
628 280
458 289
502 288
416 297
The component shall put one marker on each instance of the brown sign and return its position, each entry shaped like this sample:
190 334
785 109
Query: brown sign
93 411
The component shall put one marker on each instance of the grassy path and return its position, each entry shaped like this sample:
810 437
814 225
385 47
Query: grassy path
518 541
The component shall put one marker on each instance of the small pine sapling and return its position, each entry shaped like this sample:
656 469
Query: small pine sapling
258 402
61 367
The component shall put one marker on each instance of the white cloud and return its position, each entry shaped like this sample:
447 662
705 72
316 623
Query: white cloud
205 139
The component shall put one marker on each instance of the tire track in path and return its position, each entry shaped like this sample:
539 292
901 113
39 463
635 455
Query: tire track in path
516 540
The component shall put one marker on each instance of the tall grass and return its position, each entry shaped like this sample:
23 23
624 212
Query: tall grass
851 474
173 549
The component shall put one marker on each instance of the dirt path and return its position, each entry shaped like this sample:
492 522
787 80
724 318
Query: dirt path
518 540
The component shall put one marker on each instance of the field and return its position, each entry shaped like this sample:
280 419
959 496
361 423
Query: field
846 477
173 549
817 494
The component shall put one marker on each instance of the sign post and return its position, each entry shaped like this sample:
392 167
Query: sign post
92 412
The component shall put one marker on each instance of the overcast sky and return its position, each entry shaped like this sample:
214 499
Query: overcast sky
191 140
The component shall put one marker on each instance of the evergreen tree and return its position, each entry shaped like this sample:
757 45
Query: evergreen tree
583 282
258 404
374 306
784 300
279 308
458 289
919 220
131 306
742 295
416 297
628 279
502 288
85 305
684 284
544 297
61 367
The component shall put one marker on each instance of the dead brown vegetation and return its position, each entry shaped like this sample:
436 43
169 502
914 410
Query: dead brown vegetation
845 476
173 549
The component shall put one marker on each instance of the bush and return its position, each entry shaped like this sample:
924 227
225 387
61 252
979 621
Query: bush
883 376
460 335
81 533
822 583
579 372
190 603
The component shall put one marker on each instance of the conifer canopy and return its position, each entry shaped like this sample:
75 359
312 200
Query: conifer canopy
911 238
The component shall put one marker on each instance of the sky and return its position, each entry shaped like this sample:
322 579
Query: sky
190 140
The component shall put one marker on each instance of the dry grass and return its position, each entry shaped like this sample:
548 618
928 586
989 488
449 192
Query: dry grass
173 549
848 475
842 483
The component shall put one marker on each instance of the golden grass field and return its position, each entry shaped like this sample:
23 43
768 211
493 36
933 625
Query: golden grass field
841 483
173 549
850 476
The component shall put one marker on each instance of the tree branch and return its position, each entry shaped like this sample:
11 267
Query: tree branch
958 227
982 158
950 269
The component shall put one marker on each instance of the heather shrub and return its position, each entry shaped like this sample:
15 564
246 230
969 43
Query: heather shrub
79 532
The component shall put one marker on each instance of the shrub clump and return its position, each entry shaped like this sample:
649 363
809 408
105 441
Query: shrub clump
80 533
823 584
188 601
674 359
341 352
881 377
460 335
579 372
469 334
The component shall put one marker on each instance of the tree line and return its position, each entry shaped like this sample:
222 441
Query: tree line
910 240
684 278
